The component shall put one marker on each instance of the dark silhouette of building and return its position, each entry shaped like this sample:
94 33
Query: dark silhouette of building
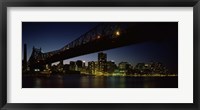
24 66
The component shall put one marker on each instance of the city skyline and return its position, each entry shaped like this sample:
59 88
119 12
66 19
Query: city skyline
96 60
101 64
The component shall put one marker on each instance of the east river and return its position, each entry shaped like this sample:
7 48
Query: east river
84 81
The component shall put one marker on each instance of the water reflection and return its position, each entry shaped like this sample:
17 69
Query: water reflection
38 82
70 81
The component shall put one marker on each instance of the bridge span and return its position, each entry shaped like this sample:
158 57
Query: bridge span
104 36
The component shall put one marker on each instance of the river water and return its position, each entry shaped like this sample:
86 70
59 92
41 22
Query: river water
76 81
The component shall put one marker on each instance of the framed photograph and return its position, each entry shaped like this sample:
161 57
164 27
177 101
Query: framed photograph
99 54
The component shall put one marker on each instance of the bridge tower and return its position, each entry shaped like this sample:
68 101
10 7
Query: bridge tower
35 59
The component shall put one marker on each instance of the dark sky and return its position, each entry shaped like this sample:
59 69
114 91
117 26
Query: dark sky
55 35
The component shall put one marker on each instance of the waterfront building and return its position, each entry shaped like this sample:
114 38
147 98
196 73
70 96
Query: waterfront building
91 67
111 66
102 60
79 65
124 67
72 65
150 68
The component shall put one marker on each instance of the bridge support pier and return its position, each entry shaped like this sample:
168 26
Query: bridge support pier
37 68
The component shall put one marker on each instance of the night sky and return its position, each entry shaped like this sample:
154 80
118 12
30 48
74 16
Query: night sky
54 35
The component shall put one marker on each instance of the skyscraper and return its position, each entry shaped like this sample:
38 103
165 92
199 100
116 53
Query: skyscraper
111 66
25 58
91 67
102 61
72 65
79 65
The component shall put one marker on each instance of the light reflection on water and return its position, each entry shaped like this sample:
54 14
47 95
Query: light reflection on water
70 81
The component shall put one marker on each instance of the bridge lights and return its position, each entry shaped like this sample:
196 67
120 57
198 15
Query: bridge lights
117 33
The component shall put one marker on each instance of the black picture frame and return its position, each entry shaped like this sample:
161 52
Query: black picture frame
98 3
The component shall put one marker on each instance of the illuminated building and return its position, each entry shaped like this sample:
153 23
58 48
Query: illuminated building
60 66
102 60
83 64
143 68
157 67
72 65
79 65
124 67
96 66
111 66
91 67
150 68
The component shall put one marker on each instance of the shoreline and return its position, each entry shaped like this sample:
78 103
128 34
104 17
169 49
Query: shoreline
106 75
